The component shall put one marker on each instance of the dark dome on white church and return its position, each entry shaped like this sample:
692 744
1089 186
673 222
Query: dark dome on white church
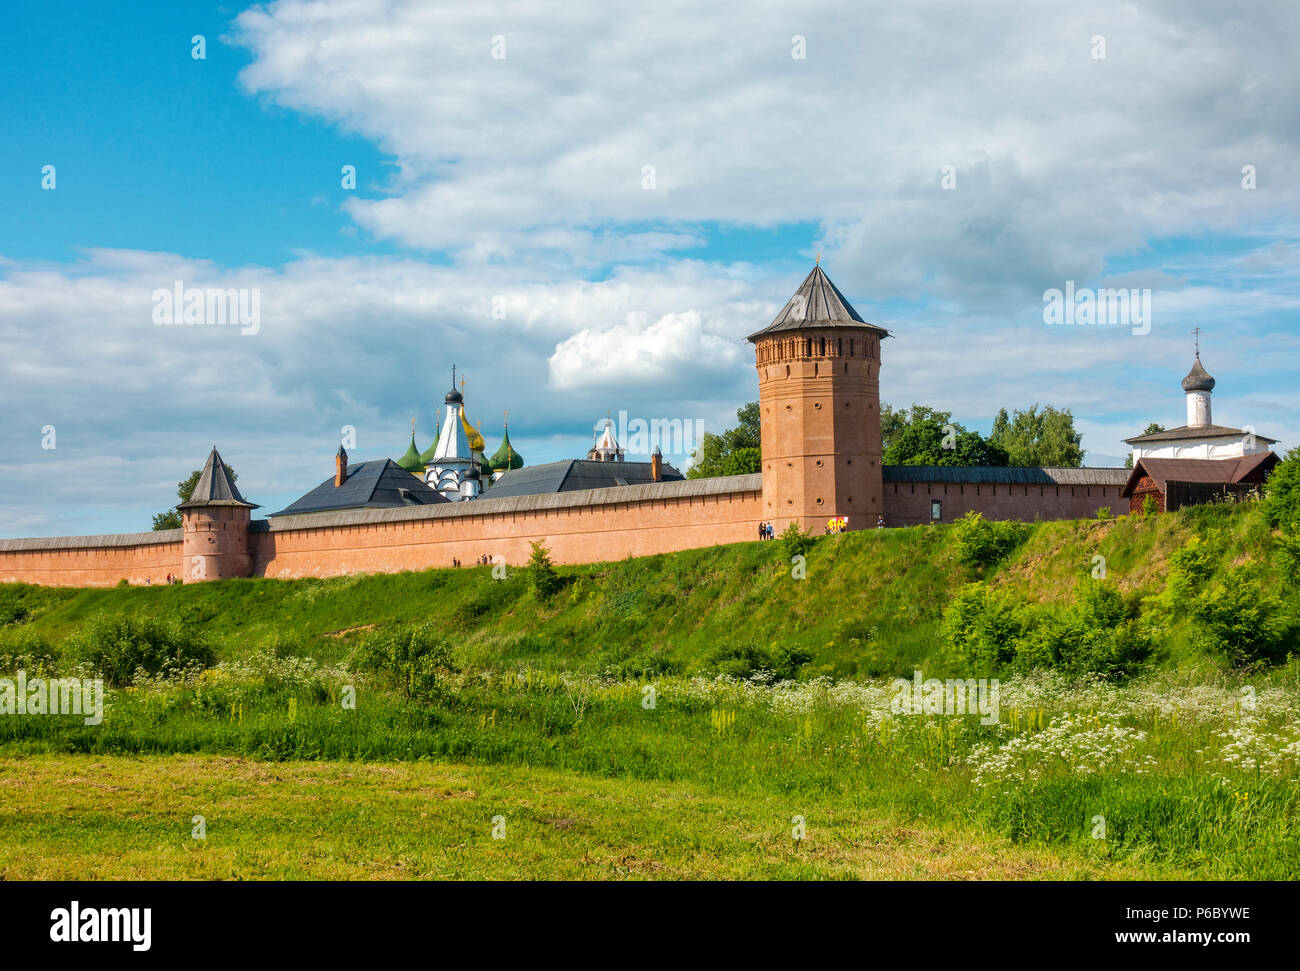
1198 379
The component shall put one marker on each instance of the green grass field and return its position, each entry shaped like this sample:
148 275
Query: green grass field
596 725
81 817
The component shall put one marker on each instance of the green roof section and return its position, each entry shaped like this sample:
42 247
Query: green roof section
505 457
411 461
426 458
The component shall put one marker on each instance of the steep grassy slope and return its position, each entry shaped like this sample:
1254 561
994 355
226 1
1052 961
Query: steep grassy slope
869 605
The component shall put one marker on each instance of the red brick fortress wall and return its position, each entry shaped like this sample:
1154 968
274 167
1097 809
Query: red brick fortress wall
908 503
91 561
598 525
577 527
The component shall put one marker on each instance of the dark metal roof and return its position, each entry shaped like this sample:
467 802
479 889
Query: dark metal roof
721 486
1009 475
1246 468
215 487
817 303
573 475
379 484
1198 379
1196 431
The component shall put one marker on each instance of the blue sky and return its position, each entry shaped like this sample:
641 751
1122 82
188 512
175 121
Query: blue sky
519 181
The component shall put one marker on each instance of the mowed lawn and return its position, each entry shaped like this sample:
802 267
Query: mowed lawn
96 817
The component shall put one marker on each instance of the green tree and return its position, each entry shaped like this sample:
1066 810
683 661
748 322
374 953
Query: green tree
734 452
924 436
1044 438
1282 493
541 573
411 657
171 519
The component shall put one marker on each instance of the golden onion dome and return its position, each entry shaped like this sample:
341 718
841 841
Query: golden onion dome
472 434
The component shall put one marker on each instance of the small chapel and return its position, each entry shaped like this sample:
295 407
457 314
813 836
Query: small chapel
1199 461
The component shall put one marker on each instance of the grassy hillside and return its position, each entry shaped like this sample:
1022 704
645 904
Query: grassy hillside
869 606
1189 770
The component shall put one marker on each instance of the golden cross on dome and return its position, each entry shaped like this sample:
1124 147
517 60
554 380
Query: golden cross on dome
507 417
819 258
412 426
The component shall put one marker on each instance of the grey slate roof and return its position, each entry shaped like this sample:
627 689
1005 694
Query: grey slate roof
726 485
817 303
379 484
215 487
158 537
1000 475
1195 431
573 475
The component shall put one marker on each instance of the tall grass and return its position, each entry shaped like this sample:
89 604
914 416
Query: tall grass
1198 777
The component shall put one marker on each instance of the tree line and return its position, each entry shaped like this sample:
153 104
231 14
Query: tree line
919 435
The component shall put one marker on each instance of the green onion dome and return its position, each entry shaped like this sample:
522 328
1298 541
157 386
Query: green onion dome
506 457
411 461
426 457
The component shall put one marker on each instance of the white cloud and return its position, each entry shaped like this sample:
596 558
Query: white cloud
1061 159
528 173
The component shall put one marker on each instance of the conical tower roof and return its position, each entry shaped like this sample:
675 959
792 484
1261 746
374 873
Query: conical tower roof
215 486
817 304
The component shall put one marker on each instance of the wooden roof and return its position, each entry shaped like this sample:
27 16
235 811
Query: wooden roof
1247 468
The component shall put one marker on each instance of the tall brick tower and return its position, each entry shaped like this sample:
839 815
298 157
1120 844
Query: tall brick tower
819 405
216 521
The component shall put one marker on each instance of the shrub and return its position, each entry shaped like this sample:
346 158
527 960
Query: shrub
1239 620
1190 567
981 627
795 542
986 630
982 542
749 660
1288 557
1103 512
1282 493
542 577
119 646
1100 635
23 649
409 657
1149 505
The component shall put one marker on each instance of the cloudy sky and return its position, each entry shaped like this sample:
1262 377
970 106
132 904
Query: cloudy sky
587 206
